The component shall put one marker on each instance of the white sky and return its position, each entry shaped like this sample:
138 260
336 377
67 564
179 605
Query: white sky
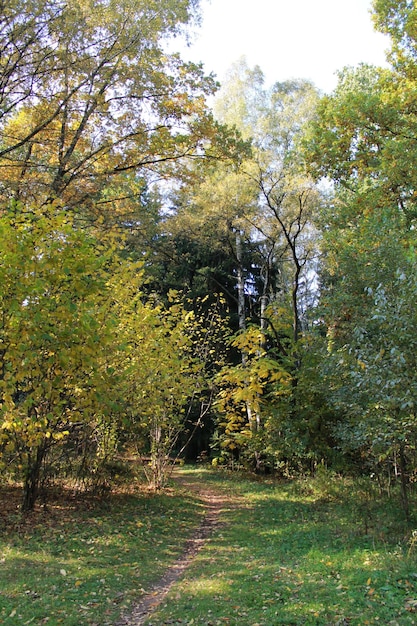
288 38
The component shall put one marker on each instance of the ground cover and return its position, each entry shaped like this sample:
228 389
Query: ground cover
82 561
323 552
310 552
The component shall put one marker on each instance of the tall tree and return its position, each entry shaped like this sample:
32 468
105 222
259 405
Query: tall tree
274 118
280 228
363 140
87 93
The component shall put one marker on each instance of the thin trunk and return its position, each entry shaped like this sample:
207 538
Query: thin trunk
240 284
295 303
404 482
32 479
156 458
253 418
266 279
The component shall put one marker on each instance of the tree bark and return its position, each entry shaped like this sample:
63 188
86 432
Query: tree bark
32 479
404 482
240 284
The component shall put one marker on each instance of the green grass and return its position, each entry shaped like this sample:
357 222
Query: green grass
305 553
317 552
82 563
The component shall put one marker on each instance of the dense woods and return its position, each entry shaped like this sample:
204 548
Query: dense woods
235 284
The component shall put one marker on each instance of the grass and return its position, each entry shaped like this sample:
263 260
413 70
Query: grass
84 561
316 552
322 552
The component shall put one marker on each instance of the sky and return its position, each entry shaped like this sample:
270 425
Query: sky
310 39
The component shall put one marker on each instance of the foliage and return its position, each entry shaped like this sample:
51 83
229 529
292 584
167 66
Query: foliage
160 375
269 205
140 231
85 361
92 110
398 20
51 337
260 382
361 140
373 380
89 95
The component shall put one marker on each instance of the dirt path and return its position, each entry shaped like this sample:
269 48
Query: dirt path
215 503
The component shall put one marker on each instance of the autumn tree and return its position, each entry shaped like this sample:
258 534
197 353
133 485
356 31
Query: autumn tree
88 94
287 198
281 230
52 375
246 231
162 354
88 363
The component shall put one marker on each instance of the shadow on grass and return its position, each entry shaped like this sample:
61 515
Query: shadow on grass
288 557
83 561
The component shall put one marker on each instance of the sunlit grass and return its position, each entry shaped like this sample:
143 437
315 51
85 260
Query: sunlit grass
297 554
325 552
85 566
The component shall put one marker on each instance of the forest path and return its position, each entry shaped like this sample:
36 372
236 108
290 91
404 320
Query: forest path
215 502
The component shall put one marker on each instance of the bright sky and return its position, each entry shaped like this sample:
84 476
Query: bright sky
288 38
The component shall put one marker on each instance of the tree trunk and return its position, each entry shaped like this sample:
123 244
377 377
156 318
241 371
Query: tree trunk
404 482
32 479
264 300
295 302
240 284
254 420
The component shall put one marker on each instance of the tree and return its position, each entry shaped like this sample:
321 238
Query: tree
161 371
88 94
398 20
363 140
51 379
291 198
248 391
84 357
275 119
280 225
